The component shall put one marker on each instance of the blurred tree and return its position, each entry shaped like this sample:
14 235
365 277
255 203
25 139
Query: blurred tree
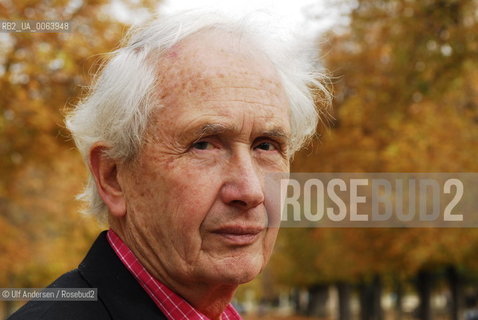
406 101
41 75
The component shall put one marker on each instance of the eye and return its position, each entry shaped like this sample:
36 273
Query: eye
266 146
202 145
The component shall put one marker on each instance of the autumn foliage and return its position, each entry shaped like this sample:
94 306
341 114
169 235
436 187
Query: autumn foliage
405 76
406 100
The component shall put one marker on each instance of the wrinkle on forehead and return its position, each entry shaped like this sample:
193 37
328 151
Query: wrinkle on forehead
208 65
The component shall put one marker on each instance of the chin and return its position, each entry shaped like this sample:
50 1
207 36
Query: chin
236 278
247 277
240 272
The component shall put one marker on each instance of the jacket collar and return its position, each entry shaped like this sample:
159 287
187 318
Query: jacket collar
118 290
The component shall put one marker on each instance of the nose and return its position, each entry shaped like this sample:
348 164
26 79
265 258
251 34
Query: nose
242 186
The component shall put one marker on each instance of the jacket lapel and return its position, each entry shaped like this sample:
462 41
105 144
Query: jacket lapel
122 295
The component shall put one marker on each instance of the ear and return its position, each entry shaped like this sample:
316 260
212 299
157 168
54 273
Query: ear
105 172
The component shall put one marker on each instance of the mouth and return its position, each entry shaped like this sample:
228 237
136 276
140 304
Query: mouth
239 235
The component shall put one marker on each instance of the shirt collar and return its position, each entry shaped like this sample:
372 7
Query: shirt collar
173 306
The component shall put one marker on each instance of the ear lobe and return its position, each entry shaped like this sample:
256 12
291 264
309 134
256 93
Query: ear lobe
105 172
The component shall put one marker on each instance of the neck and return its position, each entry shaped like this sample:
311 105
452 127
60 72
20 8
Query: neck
209 299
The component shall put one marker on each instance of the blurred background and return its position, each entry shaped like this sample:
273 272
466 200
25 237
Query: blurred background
405 78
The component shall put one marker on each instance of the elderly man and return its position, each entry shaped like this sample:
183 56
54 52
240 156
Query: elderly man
179 132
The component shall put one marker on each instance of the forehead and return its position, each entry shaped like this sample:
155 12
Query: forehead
216 73
213 58
208 50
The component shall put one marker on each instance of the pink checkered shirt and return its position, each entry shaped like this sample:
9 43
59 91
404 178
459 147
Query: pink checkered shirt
173 306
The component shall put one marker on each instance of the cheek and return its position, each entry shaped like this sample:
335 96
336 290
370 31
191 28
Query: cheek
270 240
141 194
190 196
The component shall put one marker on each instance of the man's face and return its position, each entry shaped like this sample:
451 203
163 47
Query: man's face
197 211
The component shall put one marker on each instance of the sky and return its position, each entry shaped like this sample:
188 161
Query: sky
289 13
310 17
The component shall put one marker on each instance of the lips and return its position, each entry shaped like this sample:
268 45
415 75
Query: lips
239 235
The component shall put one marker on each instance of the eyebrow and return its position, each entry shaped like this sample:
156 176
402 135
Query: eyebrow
211 129
277 133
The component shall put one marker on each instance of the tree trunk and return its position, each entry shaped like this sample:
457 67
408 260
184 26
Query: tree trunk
398 300
364 298
456 303
344 300
299 303
377 312
294 297
318 296
424 284
370 299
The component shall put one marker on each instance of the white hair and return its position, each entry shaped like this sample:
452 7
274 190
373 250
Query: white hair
119 103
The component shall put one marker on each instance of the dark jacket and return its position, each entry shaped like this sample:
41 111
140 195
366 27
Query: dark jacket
120 296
